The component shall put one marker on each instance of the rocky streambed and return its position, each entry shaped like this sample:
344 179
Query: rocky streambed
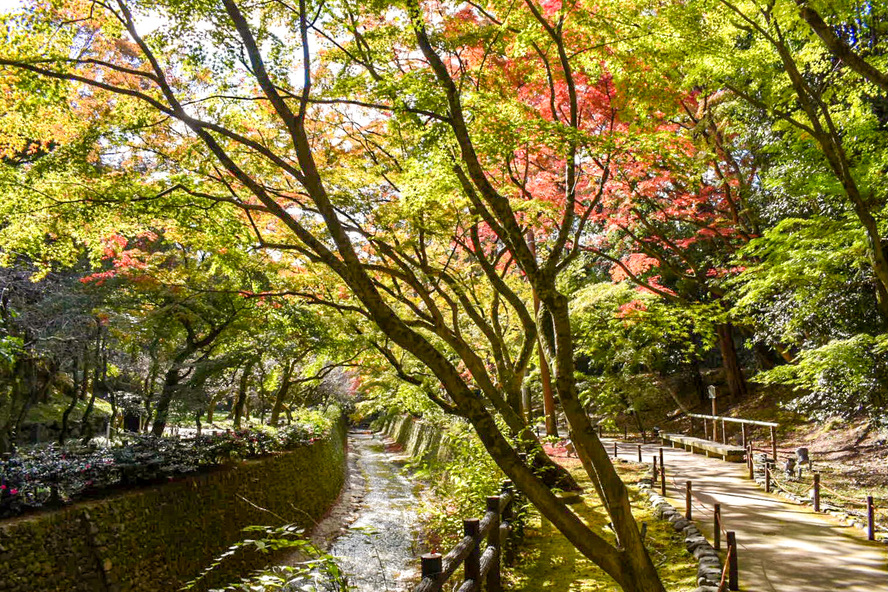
373 529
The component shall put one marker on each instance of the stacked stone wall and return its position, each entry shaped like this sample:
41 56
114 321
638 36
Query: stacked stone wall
160 537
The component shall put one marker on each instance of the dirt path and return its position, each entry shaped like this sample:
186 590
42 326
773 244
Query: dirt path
783 546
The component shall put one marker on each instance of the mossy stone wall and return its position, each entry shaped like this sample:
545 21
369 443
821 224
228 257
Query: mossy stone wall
420 439
156 539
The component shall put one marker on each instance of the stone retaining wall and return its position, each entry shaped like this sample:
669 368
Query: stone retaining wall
157 538
421 440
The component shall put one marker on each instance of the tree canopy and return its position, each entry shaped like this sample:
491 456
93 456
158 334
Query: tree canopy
454 184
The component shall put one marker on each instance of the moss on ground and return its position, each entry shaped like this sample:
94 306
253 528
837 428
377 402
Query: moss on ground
548 562
47 413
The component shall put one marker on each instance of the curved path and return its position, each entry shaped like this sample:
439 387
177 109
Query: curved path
782 546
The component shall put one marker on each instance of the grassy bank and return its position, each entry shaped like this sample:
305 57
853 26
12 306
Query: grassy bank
548 562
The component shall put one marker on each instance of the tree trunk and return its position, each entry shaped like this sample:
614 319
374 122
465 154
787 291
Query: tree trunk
548 396
281 394
636 571
241 400
86 431
211 407
696 379
161 410
733 371
14 408
545 374
63 435
84 383
640 425
525 398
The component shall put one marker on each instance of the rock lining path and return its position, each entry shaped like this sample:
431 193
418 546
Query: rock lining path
783 546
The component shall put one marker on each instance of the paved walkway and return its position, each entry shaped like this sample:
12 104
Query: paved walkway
782 546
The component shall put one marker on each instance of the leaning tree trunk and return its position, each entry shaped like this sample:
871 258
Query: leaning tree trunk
241 400
733 371
636 571
281 394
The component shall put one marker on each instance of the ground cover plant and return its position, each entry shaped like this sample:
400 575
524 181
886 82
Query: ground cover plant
547 562
51 475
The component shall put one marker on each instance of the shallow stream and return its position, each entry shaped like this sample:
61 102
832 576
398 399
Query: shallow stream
378 549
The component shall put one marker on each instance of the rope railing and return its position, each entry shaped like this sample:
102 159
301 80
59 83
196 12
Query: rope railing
815 492
838 495
782 485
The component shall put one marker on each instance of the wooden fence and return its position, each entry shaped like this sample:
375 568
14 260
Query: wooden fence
480 568
744 437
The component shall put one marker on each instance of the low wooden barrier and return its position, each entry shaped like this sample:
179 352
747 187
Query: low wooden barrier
744 434
480 568
692 444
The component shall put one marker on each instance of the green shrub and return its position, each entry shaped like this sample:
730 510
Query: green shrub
459 488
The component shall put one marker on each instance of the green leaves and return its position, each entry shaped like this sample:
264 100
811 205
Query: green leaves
318 571
806 282
844 377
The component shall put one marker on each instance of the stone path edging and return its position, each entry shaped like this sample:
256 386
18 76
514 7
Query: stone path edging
709 564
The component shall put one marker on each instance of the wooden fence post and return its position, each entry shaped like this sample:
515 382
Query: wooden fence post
625 432
705 430
713 394
724 432
655 474
717 518
494 580
662 475
767 478
431 565
639 453
507 515
744 433
615 449
774 443
870 519
816 492
688 503
731 541
749 462
473 561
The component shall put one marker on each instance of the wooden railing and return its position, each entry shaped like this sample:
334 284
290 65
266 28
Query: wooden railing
772 428
479 567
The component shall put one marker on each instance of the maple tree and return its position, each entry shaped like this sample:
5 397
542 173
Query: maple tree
432 173
676 215
449 289
814 87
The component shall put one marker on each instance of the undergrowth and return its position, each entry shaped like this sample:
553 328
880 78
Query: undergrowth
548 562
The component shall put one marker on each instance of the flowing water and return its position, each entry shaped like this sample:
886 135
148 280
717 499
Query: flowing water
378 550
